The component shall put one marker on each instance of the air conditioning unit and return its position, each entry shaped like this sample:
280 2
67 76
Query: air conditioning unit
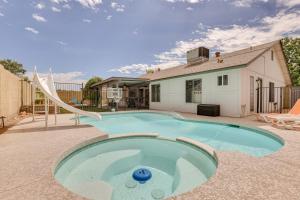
198 55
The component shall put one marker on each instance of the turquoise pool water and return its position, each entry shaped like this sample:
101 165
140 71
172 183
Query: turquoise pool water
219 136
103 170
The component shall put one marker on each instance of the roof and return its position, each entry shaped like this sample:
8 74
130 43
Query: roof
124 80
234 59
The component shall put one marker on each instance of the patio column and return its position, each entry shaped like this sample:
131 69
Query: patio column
33 93
55 113
117 104
46 111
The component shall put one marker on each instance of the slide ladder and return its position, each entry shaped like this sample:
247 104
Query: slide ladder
47 87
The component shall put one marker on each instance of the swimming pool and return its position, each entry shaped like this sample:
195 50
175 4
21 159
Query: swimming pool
105 169
224 137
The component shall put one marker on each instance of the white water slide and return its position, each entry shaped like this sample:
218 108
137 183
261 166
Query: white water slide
46 85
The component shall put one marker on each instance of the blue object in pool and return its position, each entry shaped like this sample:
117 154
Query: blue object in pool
141 175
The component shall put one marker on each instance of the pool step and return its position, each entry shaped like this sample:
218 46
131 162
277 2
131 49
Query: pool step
187 176
99 168
95 190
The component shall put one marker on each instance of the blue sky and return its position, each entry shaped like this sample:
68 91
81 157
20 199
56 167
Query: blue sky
83 38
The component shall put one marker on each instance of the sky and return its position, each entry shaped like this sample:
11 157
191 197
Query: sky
80 39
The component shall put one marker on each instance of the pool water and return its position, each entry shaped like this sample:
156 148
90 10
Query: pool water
220 136
104 170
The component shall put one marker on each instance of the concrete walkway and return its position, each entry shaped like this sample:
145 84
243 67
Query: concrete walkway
28 152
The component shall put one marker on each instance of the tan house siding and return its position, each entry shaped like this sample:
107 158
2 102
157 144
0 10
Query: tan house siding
10 93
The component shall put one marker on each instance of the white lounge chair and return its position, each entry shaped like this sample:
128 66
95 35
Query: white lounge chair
287 122
268 117
295 126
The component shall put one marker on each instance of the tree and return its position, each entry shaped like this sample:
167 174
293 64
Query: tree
92 81
291 48
91 94
13 66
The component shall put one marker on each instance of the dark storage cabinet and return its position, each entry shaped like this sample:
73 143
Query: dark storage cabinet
208 110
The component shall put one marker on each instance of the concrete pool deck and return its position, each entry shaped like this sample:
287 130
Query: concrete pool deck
28 153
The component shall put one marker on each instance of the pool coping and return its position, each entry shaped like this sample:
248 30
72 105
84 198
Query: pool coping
239 176
204 147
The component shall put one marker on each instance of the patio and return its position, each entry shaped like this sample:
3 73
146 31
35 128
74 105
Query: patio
135 92
29 153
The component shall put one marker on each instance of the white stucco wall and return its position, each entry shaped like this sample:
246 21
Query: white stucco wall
266 69
228 97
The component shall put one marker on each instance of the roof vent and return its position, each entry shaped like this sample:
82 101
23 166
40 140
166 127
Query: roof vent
197 56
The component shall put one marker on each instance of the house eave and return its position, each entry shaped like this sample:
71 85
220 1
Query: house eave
120 79
203 72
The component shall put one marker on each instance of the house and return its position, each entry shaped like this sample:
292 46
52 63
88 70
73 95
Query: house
241 82
135 92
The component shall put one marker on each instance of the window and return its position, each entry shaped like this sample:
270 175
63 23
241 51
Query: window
188 91
271 92
155 93
272 55
225 79
251 94
193 91
219 80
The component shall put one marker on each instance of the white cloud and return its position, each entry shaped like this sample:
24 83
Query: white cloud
67 6
135 32
109 17
32 30
135 68
86 3
117 7
62 43
248 3
288 3
90 3
59 1
184 1
87 20
1 14
38 18
5 1
226 39
54 9
142 68
40 6
235 37
68 77
190 8
243 3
